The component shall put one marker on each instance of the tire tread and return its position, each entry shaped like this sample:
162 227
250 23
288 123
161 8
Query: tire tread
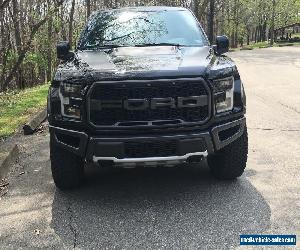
230 162
67 168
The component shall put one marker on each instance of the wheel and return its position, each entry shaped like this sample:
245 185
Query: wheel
230 162
67 168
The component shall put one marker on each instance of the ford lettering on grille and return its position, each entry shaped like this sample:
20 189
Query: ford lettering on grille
154 103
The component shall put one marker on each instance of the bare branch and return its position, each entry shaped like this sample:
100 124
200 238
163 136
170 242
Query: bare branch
4 4
27 45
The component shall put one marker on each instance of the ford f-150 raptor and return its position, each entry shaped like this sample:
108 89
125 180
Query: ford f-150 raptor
144 87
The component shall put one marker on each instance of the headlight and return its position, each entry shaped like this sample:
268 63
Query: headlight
71 90
223 94
71 100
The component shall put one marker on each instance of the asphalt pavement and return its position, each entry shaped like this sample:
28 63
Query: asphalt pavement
172 208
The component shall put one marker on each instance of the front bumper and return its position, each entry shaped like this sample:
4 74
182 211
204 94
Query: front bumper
186 147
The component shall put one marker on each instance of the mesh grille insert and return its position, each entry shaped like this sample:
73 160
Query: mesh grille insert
150 149
113 116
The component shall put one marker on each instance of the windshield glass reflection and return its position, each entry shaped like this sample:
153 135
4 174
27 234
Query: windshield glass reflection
132 28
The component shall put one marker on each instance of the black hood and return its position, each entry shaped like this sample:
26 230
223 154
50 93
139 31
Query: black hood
145 63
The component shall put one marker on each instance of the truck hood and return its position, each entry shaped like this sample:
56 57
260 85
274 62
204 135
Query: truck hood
144 59
144 62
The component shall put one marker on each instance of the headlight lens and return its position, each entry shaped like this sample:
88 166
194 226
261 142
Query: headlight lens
224 89
71 100
71 90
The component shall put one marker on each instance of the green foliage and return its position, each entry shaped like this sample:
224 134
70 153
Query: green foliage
258 45
241 20
287 12
35 58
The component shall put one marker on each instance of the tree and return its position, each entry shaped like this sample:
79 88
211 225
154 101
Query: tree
88 8
210 20
272 23
30 29
27 45
71 23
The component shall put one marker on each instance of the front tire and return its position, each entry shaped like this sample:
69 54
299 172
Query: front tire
230 162
67 168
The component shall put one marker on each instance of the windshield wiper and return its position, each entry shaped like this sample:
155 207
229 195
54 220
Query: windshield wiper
159 44
106 46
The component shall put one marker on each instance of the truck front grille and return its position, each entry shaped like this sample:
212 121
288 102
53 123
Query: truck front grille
107 102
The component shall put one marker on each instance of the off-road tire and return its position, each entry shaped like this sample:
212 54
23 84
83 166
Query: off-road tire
230 162
67 168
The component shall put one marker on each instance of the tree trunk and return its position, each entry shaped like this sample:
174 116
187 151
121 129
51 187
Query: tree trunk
264 31
248 37
210 20
63 30
272 23
256 34
88 8
2 42
196 8
71 23
259 33
236 23
49 47
3 4
18 40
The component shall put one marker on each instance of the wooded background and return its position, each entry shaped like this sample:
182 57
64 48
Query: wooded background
30 29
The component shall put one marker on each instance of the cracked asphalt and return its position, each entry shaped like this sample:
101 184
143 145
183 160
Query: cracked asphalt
172 208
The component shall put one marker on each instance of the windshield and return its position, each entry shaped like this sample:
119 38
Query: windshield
132 28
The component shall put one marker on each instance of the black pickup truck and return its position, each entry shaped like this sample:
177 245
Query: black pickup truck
145 88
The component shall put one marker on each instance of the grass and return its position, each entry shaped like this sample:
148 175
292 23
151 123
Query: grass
287 44
258 45
17 106
261 45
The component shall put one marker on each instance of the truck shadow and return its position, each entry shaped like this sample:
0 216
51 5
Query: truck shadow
158 208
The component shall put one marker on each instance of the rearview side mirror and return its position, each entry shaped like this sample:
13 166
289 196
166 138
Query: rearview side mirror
222 45
63 50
